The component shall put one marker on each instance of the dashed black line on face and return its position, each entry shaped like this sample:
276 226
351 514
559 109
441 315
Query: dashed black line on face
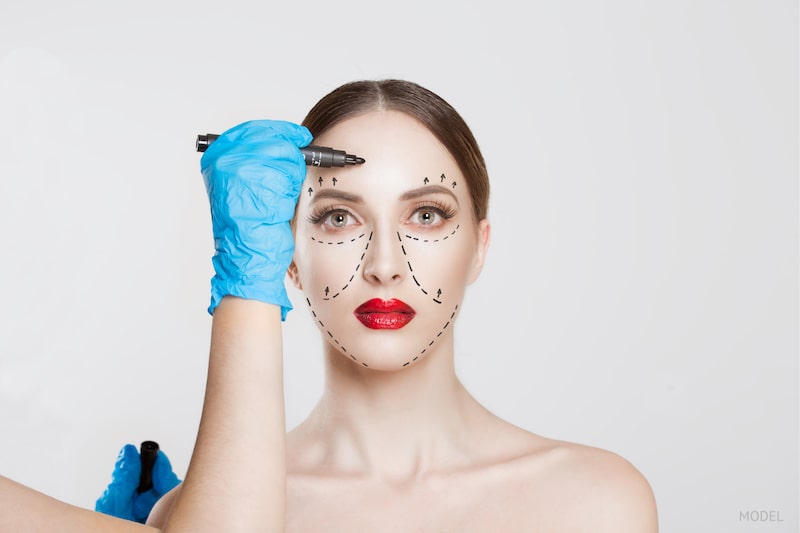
411 268
413 276
332 337
441 332
421 354
360 261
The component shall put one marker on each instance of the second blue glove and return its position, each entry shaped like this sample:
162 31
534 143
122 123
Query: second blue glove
122 499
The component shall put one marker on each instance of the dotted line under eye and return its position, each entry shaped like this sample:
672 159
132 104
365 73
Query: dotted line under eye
441 332
354 239
360 261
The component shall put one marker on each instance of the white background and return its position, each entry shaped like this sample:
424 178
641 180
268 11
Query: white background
641 292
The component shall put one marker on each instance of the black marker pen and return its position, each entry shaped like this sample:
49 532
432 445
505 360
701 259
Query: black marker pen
315 156
147 454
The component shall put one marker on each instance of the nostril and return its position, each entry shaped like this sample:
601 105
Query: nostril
384 259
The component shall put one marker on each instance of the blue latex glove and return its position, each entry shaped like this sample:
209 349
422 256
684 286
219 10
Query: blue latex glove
122 499
253 173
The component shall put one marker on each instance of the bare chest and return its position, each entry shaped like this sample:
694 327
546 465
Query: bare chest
463 504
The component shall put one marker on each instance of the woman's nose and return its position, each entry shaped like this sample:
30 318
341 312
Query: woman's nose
384 261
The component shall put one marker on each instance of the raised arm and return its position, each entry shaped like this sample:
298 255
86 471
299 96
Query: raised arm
236 479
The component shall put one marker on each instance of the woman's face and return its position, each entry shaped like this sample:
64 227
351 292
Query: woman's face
384 250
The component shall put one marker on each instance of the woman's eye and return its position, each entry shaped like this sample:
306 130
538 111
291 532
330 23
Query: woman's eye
333 219
337 219
427 216
431 215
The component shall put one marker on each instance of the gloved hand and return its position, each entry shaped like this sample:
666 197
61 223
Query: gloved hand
253 173
122 498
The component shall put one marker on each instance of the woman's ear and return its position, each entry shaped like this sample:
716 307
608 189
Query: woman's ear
480 251
294 276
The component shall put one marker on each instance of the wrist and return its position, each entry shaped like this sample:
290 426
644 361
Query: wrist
270 291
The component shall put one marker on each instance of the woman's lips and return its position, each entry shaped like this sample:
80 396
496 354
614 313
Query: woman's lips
384 314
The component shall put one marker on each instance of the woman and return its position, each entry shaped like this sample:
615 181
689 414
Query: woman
383 253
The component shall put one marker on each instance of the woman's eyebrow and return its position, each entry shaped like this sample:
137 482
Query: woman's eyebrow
427 189
337 195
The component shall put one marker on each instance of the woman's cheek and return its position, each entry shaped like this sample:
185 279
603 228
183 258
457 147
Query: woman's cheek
334 263
436 263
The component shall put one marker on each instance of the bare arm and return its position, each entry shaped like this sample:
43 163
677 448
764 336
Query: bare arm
24 509
236 479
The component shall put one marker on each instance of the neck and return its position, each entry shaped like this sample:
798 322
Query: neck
395 425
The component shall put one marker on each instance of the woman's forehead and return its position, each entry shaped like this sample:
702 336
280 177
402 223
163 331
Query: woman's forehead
378 132
396 147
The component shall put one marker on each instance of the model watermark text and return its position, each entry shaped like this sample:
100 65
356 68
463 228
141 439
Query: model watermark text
760 516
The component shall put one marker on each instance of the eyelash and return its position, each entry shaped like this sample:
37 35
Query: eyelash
319 214
444 210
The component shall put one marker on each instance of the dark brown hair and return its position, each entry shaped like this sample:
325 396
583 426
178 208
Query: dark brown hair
441 119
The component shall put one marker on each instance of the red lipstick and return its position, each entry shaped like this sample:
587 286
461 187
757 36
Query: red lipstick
384 314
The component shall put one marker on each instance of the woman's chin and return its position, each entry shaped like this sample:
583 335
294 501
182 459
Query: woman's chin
383 353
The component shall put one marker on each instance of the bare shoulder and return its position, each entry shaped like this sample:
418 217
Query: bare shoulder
163 507
588 488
